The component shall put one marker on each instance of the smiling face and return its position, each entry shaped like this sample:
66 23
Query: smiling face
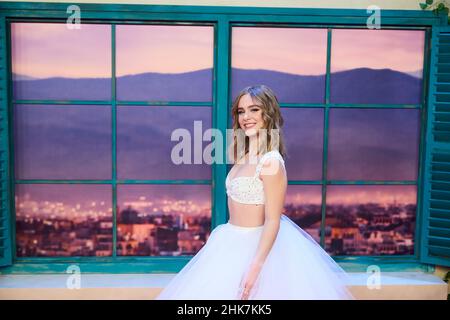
249 115
257 122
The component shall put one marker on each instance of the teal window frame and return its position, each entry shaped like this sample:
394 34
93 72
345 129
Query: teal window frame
223 19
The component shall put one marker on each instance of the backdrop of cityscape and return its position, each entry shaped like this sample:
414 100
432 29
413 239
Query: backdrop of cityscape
63 141
160 225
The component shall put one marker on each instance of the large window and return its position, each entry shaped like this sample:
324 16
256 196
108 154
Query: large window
361 108
86 118
351 100
93 168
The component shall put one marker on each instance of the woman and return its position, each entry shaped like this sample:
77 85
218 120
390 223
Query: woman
259 253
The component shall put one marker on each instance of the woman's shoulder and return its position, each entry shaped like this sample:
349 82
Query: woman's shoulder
272 154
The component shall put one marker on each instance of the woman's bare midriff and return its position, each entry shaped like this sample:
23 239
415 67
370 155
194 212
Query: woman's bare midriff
245 215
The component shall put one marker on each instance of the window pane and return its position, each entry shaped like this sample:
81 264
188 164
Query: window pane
163 220
291 61
144 143
63 220
373 144
370 220
303 133
62 142
50 61
376 66
303 206
164 63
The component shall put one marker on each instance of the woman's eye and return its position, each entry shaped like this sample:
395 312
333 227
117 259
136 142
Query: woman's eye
254 110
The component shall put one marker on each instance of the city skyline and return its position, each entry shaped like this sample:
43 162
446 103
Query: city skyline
369 228
297 195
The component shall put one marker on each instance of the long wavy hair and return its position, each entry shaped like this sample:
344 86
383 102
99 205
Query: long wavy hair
272 138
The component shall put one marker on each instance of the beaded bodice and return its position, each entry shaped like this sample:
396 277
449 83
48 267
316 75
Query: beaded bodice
250 189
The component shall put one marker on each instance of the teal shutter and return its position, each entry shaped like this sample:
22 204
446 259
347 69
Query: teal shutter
5 214
435 240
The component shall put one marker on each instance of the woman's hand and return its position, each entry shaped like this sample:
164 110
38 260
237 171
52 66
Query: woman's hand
249 281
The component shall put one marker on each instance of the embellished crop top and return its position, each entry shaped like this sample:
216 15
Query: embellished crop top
250 189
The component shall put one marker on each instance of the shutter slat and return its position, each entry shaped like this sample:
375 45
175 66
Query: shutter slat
444 49
437 213
441 125
443 78
444 67
442 107
435 246
439 241
440 223
439 251
440 232
443 162
444 59
445 116
441 176
439 204
441 136
444 186
441 195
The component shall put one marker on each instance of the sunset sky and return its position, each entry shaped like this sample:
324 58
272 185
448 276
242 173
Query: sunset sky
49 49
400 50
165 49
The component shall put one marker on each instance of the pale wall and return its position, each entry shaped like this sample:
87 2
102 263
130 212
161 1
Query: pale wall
353 4
349 4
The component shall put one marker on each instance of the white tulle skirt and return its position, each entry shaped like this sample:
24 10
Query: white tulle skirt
297 267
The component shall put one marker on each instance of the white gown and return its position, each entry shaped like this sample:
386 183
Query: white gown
297 267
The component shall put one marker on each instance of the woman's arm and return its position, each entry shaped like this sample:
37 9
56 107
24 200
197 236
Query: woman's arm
274 180
275 185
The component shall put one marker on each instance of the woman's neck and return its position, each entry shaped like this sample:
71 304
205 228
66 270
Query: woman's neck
252 155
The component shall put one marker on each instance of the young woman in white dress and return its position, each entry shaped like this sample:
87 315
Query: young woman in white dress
259 253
